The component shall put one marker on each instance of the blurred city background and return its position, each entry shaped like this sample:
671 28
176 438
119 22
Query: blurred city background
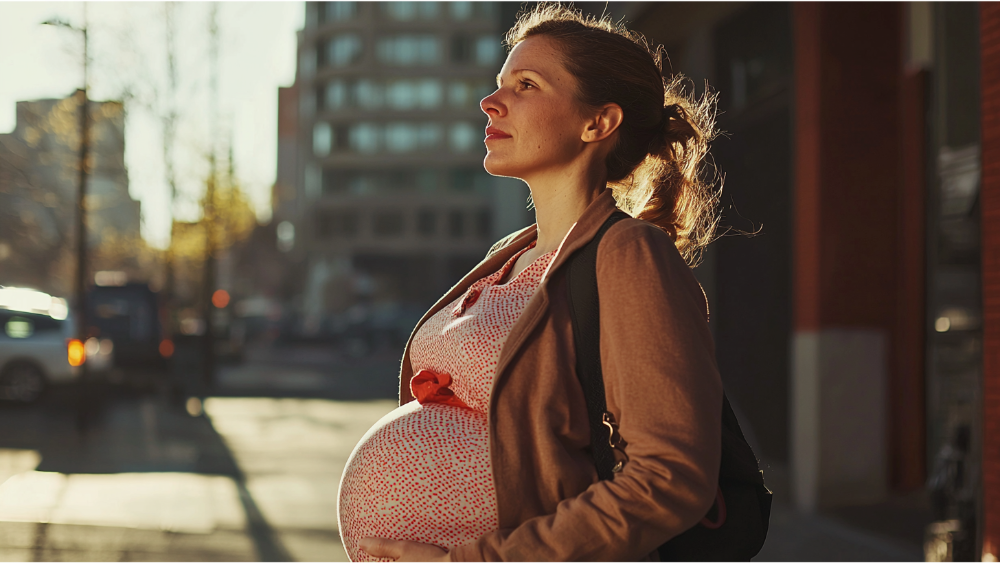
220 222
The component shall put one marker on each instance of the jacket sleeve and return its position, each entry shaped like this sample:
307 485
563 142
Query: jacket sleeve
664 388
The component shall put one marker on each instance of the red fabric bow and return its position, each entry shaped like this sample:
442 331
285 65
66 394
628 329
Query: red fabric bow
429 387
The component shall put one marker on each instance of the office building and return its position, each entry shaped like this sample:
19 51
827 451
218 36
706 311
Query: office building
381 185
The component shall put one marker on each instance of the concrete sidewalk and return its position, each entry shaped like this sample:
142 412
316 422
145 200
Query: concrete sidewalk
793 536
133 489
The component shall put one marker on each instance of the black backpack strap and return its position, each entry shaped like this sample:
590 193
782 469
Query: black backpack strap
581 277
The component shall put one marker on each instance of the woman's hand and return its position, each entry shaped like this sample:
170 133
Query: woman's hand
403 550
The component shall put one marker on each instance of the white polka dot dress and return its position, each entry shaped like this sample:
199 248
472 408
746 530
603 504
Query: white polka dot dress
422 473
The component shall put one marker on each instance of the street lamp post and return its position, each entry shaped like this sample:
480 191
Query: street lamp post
80 285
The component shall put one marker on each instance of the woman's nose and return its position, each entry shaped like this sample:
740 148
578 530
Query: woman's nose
492 105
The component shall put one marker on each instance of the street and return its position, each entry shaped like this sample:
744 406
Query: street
253 478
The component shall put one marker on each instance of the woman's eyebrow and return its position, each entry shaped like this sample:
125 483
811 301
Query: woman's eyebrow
519 71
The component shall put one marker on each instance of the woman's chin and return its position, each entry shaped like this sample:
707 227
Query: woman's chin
499 166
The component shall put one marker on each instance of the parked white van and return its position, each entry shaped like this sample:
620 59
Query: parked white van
37 348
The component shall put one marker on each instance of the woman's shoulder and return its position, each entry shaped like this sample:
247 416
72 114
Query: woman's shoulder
638 256
638 234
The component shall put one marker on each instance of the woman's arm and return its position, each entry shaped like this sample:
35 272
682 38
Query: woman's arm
664 388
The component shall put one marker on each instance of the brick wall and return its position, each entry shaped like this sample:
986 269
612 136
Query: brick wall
990 84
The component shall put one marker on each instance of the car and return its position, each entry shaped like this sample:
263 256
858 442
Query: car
37 348
130 317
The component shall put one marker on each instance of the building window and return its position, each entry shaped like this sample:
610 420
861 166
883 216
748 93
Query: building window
464 137
455 224
470 179
365 138
426 93
322 139
429 136
408 11
487 10
461 48
308 62
481 89
426 222
405 50
337 224
460 11
400 11
335 95
409 137
401 137
427 180
307 103
487 50
468 93
342 50
387 224
337 11
459 94
368 94
320 96
313 180
333 181
339 180
341 138
484 223
401 94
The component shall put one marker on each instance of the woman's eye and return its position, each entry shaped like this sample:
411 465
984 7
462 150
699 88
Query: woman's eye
526 84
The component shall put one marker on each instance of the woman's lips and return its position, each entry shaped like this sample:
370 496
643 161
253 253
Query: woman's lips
493 134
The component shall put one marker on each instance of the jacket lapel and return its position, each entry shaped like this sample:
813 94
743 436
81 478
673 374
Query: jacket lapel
579 234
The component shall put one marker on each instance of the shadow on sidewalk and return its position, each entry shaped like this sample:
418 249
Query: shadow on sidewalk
130 432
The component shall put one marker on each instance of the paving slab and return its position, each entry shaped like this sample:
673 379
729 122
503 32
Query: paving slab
181 502
70 542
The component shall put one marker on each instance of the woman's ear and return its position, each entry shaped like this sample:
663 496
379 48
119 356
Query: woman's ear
603 123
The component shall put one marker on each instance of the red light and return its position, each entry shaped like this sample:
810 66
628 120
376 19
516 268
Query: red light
166 348
220 298
76 354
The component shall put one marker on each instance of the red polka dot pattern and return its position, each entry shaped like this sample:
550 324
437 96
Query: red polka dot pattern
422 473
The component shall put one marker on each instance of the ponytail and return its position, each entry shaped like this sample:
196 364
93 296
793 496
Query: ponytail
673 187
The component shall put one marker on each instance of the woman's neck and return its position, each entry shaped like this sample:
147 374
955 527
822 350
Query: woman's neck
560 198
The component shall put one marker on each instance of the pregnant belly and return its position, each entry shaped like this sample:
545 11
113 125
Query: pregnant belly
422 473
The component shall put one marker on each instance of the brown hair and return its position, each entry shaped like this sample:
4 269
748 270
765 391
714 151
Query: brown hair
656 169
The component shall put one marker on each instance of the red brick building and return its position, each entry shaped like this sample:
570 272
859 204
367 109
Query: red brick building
858 332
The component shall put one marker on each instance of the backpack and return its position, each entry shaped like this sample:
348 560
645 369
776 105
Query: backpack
736 525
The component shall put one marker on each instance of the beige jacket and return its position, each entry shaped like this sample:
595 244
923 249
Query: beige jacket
662 385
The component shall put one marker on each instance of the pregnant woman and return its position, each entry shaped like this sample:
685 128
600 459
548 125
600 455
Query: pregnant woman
488 456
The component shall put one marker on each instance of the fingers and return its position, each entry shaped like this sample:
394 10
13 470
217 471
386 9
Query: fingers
382 547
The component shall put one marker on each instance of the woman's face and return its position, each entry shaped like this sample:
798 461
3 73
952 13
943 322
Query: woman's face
535 119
